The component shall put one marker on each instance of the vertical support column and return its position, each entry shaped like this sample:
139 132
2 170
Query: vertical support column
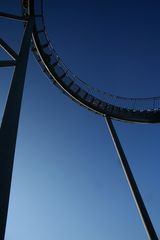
9 125
131 181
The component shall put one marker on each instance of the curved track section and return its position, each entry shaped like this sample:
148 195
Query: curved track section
141 110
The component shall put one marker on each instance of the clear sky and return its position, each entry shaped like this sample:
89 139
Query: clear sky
67 182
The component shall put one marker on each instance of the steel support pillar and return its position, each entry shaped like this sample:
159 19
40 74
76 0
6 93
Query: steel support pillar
132 183
9 125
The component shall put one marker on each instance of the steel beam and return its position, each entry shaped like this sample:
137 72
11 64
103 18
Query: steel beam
7 63
8 49
132 183
13 17
9 126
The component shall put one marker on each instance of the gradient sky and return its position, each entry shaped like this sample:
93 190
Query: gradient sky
67 181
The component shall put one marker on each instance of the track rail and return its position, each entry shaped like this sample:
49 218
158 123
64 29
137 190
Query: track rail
140 110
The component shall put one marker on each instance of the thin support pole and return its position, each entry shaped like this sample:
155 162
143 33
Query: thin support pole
9 125
132 183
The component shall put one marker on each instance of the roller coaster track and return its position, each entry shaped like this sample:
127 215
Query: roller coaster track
140 110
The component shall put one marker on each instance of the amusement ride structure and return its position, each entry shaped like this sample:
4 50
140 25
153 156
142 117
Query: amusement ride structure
109 106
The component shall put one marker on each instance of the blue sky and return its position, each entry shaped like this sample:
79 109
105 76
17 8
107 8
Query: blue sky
67 182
